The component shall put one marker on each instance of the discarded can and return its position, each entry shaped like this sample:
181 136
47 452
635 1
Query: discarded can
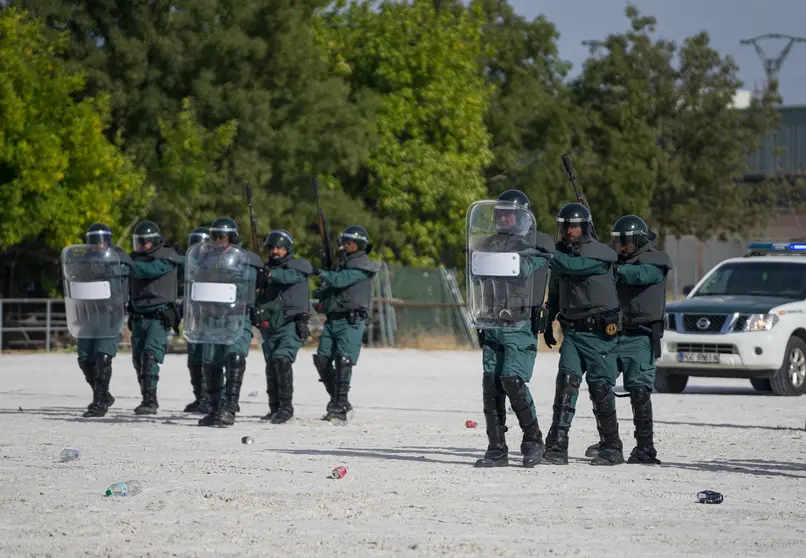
470 424
709 497
246 440
338 472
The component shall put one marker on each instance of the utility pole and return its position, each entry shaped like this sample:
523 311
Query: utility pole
772 66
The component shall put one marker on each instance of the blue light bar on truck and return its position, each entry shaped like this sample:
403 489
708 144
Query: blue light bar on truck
777 247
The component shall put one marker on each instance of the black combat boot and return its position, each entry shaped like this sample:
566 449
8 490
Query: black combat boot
271 390
285 390
236 367
339 405
103 374
213 378
565 390
148 386
494 403
644 450
593 449
604 408
201 404
532 446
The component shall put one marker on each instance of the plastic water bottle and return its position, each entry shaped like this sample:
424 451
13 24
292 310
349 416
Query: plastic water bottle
128 488
69 455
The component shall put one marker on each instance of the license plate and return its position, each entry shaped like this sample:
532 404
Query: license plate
708 358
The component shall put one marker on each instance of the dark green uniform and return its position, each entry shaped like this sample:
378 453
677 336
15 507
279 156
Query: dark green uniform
508 353
582 296
641 283
282 317
346 298
95 354
154 282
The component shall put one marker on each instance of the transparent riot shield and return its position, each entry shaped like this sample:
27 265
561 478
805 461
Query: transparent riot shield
216 293
94 291
500 244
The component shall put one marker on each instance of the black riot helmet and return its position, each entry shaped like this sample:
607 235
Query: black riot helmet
279 238
512 213
98 233
570 217
199 234
225 227
629 233
145 232
357 234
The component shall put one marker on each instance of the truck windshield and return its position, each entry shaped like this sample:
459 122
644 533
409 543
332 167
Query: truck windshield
776 279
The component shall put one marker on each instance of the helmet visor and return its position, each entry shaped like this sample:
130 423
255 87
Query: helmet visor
624 242
571 229
145 241
98 237
195 238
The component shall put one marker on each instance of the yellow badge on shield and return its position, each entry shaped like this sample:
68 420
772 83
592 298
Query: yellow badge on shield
611 329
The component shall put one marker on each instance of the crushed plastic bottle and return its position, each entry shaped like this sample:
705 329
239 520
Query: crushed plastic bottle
69 455
128 488
710 497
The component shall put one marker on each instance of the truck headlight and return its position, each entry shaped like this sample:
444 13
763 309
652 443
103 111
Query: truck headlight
760 322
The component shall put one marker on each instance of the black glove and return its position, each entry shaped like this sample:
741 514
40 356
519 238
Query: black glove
302 328
130 323
480 334
548 336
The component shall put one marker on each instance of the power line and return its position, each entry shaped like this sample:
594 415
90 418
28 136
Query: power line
772 66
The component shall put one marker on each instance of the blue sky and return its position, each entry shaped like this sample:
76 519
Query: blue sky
726 21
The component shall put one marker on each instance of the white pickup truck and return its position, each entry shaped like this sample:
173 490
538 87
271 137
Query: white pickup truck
745 319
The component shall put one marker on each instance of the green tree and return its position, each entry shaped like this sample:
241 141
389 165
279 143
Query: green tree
426 167
58 171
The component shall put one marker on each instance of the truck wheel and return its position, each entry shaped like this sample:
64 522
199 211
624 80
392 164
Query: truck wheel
670 383
761 384
790 380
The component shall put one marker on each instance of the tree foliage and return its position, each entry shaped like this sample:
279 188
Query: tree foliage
58 171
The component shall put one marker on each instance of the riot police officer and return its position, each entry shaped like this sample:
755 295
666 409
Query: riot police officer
225 364
511 309
156 272
582 296
641 283
345 298
281 314
96 319
200 404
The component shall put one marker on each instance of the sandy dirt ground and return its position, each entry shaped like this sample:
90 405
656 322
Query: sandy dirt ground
410 488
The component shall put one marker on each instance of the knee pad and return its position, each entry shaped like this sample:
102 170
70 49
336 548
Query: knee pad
321 363
235 360
601 393
146 360
566 379
489 385
103 359
512 385
343 361
639 396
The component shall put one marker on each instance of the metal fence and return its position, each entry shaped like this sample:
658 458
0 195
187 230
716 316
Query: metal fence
421 308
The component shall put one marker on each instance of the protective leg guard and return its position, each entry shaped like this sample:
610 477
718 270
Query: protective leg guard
494 404
285 390
644 450
101 398
236 367
201 403
339 405
326 372
148 385
604 409
532 446
565 389
213 376
271 390
88 368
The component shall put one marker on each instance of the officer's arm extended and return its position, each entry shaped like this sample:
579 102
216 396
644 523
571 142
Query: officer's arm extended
577 265
644 274
344 278
287 276
531 264
152 269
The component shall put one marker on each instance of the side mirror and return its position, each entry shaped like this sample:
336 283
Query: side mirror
687 289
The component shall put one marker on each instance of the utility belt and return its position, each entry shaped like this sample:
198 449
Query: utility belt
170 317
609 323
353 317
652 330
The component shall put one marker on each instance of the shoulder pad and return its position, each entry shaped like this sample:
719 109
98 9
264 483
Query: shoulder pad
167 254
657 258
544 242
300 264
595 250
254 259
364 264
